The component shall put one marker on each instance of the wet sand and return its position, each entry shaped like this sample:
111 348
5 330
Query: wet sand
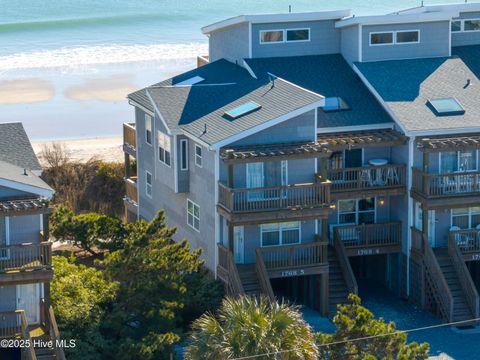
25 91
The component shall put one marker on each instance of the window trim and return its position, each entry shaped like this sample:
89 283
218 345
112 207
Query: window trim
196 156
280 239
285 33
394 37
462 26
184 153
260 32
297 41
193 215
151 130
169 164
407 43
357 211
381 32
147 185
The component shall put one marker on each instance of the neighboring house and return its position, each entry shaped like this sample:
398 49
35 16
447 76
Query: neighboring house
303 154
25 254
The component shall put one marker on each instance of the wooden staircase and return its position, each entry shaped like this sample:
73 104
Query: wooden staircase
45 353
249 279
337 287
461 309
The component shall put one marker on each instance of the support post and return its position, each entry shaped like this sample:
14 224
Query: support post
46 227
325 229
230 175
325 295
323 172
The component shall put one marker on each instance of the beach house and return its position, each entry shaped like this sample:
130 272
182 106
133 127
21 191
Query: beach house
25 254
310 154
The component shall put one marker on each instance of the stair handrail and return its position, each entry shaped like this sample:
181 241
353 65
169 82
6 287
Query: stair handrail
263 278
348 275
465 279
54 333
232 280
28 352
443 292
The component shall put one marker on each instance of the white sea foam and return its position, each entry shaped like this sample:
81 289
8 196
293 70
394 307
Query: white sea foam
74 57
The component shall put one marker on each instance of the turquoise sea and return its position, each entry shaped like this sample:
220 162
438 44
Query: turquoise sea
65 63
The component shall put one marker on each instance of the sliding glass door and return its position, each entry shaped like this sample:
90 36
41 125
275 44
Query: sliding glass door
269 176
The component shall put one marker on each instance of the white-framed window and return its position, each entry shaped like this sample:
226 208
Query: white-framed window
193 215
356 211
407 37
298 35
183 154
284 233
458 161
198 156
465 25
466 218
276 36
394 37
271 36
148 183
381 38
148 129
164 148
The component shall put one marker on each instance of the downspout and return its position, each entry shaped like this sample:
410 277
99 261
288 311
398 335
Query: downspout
411 142
217 216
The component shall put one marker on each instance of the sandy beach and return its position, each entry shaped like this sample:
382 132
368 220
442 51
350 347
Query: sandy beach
102 148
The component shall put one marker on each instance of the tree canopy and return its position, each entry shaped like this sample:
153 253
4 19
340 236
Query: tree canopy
247 326
353 321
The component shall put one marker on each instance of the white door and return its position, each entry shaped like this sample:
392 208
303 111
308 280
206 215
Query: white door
238 244
28 299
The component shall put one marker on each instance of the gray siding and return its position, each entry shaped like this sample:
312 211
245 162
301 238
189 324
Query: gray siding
467 38
24 229
8 298
230 43
349 43
434 41
324 39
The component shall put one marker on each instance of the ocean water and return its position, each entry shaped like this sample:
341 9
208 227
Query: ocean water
54 46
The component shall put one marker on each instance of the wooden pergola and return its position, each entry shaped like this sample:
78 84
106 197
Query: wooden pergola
361 139
445 143
33 206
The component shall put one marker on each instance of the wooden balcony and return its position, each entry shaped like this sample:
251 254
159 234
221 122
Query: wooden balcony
202 60
14 325
129 139
370 239
299 201
468 242
295 260
448 189
369 181
26 263
131 189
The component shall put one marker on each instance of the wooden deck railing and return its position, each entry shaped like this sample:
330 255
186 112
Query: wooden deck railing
367 177
25 257
54 334
131 188
13 324
465 279
447 184
263 277
369 235
228 271
437 282
129 137
294 256
347 272
467 241
309 195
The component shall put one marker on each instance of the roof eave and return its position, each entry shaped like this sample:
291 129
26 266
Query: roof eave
396 19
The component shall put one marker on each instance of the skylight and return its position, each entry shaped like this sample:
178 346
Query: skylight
242 109
446 107
192 81
335 104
